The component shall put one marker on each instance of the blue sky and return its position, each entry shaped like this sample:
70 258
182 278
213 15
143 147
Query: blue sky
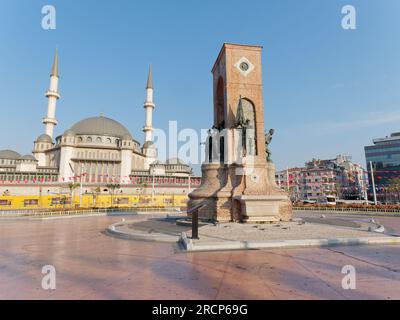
327 90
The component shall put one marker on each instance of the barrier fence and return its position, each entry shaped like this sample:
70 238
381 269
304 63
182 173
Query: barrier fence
99 211
357 210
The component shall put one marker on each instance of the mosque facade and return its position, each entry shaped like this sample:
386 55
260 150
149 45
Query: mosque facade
95 151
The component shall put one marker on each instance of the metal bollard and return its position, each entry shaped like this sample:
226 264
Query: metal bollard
195 224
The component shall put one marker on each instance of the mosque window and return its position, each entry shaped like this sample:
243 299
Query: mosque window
89 139
108 140
210 149
98 139
80 139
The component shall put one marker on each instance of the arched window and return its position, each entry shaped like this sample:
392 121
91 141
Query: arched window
250 132
98 139
108 140
80 139
89 139
220 105
222 149
210 149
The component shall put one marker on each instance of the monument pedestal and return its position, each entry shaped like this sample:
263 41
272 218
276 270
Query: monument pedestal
226 196
263 208
213 178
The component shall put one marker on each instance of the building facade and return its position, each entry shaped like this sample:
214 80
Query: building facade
337 177
384 155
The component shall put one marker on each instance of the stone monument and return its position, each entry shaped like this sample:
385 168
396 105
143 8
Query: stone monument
238 176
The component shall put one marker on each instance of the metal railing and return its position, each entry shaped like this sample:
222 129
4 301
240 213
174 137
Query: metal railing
358 210
37 213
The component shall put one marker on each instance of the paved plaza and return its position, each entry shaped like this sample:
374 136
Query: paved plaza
93 265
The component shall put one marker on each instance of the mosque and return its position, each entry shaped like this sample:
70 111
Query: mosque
95 151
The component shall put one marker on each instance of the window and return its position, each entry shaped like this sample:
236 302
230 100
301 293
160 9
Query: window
88 139
122 200
98 139
210 149
31 202
168 201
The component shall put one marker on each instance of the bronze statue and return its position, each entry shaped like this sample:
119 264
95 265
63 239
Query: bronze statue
242 123
268 138
240 119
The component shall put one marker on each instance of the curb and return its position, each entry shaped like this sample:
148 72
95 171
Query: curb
190 245
112 231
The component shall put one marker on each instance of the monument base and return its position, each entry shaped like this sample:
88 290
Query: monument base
250 200
264 208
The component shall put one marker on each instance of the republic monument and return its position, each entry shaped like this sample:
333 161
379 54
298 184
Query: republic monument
238 177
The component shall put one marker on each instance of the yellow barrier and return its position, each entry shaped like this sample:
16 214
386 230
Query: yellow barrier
27 202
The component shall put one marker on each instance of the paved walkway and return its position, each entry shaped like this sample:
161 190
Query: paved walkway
91 265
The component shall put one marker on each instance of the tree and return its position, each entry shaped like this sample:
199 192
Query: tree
394 188
94 193
112 188
72 186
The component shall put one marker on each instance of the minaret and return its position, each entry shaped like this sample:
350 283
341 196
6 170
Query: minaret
52 94
149 106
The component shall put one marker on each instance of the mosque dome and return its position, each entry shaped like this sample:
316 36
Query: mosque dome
149 145
28 157
44 138
100 126
9 154
157 163
69 133
127 137
178 161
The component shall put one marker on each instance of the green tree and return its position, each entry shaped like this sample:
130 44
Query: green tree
72 186
113 187
394 188
95 192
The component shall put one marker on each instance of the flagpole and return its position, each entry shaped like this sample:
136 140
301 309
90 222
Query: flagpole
80 187
287 179
365 188
373 182
153 191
